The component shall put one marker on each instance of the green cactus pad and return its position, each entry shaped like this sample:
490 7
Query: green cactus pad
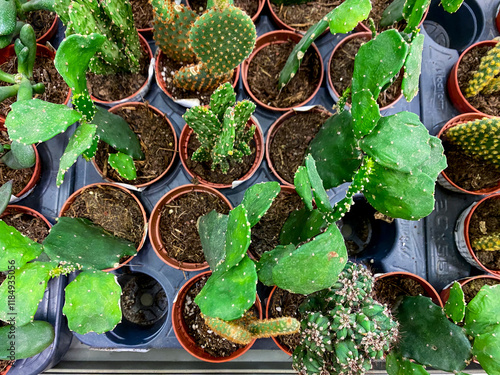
123 164
413 12
481 315
30 283
84 244
393 13
80 141
16 249
222 98
24 155
92 302
228 294
428 337
488 69
204 123
303 186
5 195
487 243
91 151
326 254
366 112
412 66
269 260
436 163
302 225
212 229
34 121
30 339
233 331
258 198
224 142
273 327
451 6
334 150
237 237
73 57
395 364
84 104
28 38
486 349
198 78
234 44
320 197
116 132
455 306
242 112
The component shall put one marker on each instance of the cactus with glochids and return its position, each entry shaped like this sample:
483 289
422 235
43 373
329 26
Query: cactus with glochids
344 327
35 121
222 128
486 79
487 242
210 45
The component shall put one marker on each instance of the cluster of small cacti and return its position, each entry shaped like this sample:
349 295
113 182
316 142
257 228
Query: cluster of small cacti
345 327
222 128
486 79
211 45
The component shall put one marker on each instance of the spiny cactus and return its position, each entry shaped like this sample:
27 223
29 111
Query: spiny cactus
487 243
214 43
485 78
479 138
222 129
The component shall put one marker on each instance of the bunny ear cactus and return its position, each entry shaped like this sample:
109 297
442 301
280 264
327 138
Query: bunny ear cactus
487 243
485 79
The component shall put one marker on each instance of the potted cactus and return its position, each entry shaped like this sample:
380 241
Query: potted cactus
252 8
188 66
470 286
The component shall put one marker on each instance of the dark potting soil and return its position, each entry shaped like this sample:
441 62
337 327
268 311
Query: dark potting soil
143 14
167 68
119 85
266 233
44 71
389 289
112 209
157 144
33 227
41 21
291 140
342 69
378 7
264 70
178 224
489 104
284 303
485 221
248 6
303 16
203 169
469 172
473 287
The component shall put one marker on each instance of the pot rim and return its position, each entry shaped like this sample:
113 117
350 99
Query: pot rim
445 293
25 210
254 17
50 32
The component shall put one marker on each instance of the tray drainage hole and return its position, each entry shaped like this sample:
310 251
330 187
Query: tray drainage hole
147 299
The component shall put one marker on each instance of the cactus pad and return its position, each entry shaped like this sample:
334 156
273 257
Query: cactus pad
455 306
487 351
5 195
233 331
16 249
303 186
451 6
93 302
123 164
413 12
269 260
481 315
84 104
395 364
24 155
302 225
197 77
221 99
320 197
30 339
488 69
412 66
212 229
258 198
237 237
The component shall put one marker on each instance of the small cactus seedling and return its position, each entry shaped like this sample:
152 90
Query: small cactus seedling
222 129
486 79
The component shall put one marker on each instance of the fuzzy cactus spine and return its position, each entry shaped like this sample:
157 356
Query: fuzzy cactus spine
489 68
487 243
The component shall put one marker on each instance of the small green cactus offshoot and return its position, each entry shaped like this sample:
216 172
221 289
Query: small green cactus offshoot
222 128
486 79
344 328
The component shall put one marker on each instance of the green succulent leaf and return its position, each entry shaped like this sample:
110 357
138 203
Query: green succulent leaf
320 197
436 162
123 164
243 111
302 225
92 302
222 98
269 260
17 250
451 6
91 151
258 198
23 155
412 67
486 349
481 315
395 364
348 14
212 229
30 339
455 306
8 17
237 237
413 12
5 195
303 186
393 13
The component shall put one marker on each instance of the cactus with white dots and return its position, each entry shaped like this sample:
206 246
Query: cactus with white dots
485 79
489 242
222 129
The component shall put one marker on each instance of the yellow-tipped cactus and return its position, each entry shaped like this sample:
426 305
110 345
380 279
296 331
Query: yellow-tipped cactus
487 243
485 78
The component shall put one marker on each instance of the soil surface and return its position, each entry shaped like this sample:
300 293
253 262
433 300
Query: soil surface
111 208
41 21
33 227
44 71
469 172
248 6
473 287
489 104
389 289
157 144
167 68
266 233
202 335
290 142
486 221
303 16
284 303
264 70
120 85
204 169
342 69
143 14
378 7
20 177
178 225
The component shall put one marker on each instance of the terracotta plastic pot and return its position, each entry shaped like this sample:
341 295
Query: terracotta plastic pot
429 289
162 85
50 32
73 196
115 109
268 306
254 17
445 293
154 224
181 331
4 372
259 155
272 132
457 97
41 51
15 209
139 94
366 35
443 179
462 239
277 37
497 20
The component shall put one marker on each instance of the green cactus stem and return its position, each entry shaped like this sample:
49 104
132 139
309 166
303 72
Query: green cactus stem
481 313
455 306
17 249
30 339
488 69
123 164
487 243
487 352
412 66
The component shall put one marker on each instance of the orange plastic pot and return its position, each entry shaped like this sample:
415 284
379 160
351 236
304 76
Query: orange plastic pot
277 37
443 179
254 17
154 225
50 32
115 109
181 331
13 209
73 196
445 293
4 372
258 138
